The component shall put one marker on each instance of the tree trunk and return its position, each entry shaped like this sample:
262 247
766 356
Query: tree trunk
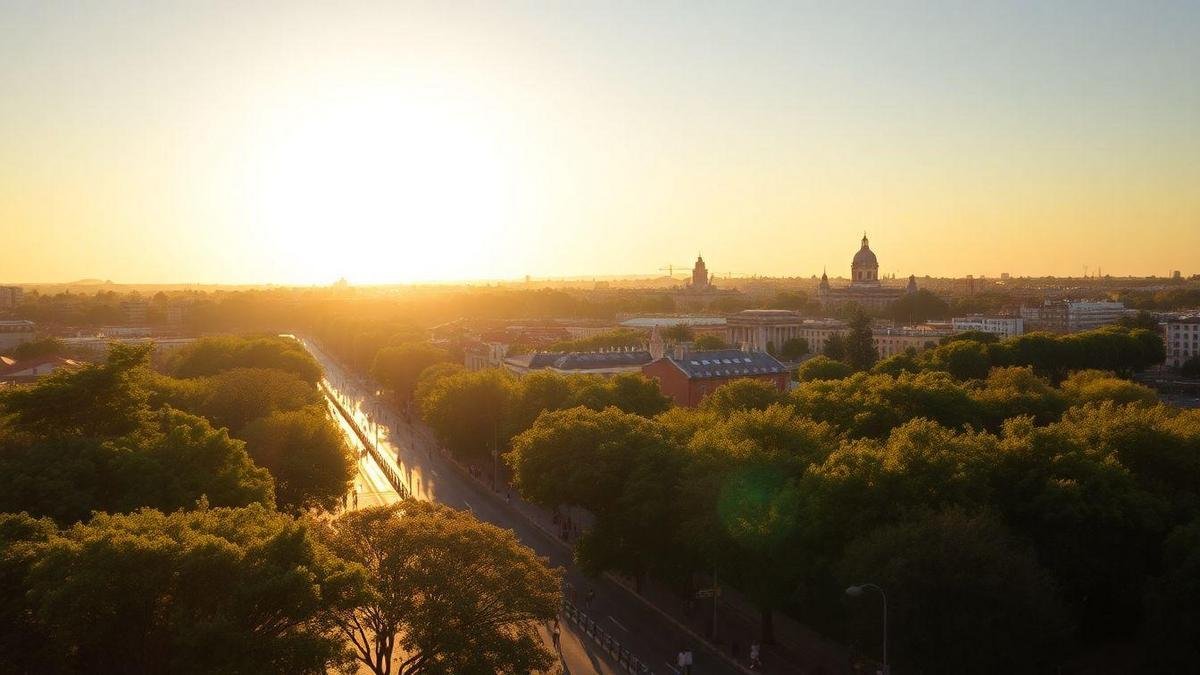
768 626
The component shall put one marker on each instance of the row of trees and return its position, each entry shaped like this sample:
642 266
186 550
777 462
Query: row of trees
1000 551
972 355
137 537
476 413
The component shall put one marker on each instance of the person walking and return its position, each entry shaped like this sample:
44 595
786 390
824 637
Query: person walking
556 635
588 597
755 657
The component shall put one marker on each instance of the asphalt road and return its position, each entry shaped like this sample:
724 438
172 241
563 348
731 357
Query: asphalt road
646 633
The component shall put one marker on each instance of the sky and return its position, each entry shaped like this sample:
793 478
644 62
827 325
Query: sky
296 143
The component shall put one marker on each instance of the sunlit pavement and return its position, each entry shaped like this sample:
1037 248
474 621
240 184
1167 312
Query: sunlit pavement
429 476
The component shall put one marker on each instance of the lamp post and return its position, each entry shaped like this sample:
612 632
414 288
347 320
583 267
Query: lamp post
857 591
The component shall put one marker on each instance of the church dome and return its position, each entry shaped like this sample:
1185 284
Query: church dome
865 256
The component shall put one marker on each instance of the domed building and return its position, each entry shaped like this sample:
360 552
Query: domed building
865 289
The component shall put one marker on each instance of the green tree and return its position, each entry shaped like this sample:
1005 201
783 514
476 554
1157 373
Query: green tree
306 454
793 349
680 332
904 362
741 503
919 307
234 398
210 590
835 347
710 341
619 466
635 393
211 355
823 368
1095 386
963 359
37 349
469 412
454 594
963 596
860 344
399 367
1172 602
1191 368
742 394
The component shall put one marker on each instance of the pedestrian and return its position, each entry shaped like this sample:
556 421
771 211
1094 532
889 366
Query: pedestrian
508 496
681 660
556 634
587 599
755 657
356 497
687 662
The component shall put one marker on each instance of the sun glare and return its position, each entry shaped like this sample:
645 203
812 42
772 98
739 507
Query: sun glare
366 190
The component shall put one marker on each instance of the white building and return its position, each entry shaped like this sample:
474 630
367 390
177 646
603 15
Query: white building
13 333
10 296
1182 338
1072 316
1003 326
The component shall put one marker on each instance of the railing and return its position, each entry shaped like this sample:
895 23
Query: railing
625 660
388 469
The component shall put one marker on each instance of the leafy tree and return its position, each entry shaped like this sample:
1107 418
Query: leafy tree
860 344
622 337
710 341
1016 391
306 454
37 349
963 596
210 590
211 355
973 336
454 594
619 466
100 400
835 347
1172 603
1095 386
635 393
823 368
793 349
1142 319
1191 368
742 394
872 405
918 307
741 503
399 368
430 376
963 359
904 362
234 398
680 332
469 411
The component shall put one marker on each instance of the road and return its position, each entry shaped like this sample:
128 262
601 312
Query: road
647 634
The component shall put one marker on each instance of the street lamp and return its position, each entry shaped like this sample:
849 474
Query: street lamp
857 591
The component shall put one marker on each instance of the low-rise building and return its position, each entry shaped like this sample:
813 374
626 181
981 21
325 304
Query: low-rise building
15 332
1181 336
1072 316
480 355
603 363
11 296
30 370
767 329
892 341
1002 326
688 376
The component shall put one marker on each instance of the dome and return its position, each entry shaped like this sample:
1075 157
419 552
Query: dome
865 256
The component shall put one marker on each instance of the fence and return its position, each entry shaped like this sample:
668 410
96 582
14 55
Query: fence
388 468
625 660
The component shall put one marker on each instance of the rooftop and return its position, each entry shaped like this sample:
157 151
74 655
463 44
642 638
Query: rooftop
727 363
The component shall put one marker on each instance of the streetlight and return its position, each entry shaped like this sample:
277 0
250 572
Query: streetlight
857 591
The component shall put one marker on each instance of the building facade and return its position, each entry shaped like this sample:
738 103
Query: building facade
688 377
13 333
11 296
1002 326
865 289
1072 316
1182 338
767 329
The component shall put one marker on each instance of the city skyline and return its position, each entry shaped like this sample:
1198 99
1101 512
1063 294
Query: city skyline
274 143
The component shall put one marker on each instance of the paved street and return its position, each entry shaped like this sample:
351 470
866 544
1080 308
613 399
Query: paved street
648 635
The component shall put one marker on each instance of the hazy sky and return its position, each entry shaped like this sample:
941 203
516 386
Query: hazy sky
294 143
